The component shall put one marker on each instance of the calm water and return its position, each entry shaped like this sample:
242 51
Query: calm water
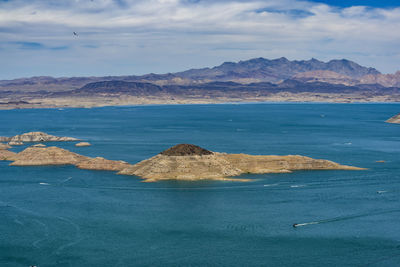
92 218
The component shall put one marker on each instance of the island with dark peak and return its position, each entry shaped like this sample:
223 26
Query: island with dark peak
181 162
191 162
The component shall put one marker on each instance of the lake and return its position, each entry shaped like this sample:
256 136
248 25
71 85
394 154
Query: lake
64 216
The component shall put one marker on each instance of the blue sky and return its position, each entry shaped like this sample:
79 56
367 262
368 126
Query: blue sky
124 37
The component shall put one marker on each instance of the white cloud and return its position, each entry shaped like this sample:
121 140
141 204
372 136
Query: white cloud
133 37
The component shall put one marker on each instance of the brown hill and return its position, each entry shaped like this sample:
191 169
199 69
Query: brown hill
325 76
387 80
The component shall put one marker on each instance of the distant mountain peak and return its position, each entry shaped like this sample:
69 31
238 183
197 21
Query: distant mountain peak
255 70
275 70
281 59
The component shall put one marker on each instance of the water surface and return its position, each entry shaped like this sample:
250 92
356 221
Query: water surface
64 216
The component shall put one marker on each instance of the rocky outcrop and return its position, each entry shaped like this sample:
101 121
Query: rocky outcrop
15 143
34 137
82 144
40 156
36 156
190 167
277 164
387 80
7 155
325 76
102 164
39 145
186 150
118 87
38 137
4 146
394 119
221 166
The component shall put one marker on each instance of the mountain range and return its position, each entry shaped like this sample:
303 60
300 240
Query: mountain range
249 71
250 79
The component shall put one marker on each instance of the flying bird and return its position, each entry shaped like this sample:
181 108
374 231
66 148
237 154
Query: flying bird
75 33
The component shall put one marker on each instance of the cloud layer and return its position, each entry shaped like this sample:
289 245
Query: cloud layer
135 37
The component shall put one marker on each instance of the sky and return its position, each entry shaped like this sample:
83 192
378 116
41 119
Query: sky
134 37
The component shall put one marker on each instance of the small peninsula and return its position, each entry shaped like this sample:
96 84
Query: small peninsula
394 119
181 162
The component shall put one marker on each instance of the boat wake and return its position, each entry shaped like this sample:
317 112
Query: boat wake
36 243
345 218
298 186
66 180
76 239
268 185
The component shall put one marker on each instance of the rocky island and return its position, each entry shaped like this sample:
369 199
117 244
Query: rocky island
7 155
42 156
394 119
82 144
190 162
181 162
34 137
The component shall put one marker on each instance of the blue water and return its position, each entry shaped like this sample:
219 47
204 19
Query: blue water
63 216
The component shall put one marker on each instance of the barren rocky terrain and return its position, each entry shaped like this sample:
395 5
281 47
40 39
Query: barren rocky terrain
253 80
394 119
181 162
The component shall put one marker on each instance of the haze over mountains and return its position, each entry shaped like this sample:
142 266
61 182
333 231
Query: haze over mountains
256 79
253 70
261 69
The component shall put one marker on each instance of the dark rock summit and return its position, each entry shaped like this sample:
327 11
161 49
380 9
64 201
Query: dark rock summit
186 150
118 87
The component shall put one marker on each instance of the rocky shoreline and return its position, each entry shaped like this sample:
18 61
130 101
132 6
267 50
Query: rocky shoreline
190 162
127 100
181 162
